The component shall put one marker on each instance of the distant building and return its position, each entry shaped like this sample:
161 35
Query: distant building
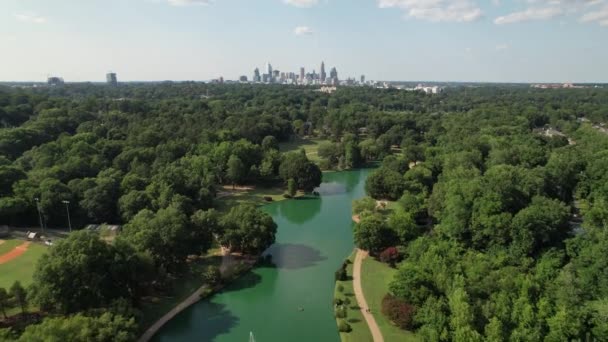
323 75
243 79
54 81
256 76
333 75
362 79
302 74
111 78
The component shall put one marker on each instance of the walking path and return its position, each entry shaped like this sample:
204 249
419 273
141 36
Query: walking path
15 253
227 261
369 318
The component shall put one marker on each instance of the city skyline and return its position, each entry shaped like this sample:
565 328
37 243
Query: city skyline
392 40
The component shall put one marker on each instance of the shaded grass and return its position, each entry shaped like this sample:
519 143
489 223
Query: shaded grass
21 268
375 279
360 332
254 196
311 146
156 307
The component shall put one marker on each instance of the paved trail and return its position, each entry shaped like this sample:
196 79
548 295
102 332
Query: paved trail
227 261
369 318
15 253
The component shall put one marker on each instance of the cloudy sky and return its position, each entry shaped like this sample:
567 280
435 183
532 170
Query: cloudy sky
442 40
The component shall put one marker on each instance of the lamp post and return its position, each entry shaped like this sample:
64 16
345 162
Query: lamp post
39 213
67 208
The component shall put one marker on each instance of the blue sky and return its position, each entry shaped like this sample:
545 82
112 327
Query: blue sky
432 40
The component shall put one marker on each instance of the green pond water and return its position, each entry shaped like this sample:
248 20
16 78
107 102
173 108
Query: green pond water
291 300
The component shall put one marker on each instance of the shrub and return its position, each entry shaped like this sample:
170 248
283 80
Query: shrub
344 327
267 198
212 275
390 256
287 196
338 301
340 311
341 275
398 311
340 288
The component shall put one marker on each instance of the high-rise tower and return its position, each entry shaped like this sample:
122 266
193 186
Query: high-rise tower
111 78
323 75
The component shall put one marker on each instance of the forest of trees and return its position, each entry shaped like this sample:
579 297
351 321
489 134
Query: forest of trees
488 223
484 201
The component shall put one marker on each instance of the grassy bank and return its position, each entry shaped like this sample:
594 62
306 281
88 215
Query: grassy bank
360 332
375 279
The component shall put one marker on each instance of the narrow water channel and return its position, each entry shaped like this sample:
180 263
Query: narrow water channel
291 300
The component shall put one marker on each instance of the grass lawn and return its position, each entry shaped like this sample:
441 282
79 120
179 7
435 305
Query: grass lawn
360 332
253 196
311 146
154 308
8 245
21 268
375 277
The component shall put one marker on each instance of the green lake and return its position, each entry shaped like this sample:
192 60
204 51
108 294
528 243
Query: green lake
292 300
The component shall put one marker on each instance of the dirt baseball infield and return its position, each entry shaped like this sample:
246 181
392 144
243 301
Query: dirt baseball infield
15 253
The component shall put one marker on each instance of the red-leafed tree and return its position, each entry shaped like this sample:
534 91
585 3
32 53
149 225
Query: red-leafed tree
390 256
398 311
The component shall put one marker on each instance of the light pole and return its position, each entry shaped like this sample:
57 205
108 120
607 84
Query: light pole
39 213
67 208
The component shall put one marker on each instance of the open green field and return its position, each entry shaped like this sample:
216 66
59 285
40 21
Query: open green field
22 267
311 146
154 308
360 332
252 196
8 246
375 278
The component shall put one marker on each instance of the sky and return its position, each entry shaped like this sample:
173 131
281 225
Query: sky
389 40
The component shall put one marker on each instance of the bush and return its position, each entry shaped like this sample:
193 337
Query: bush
338 301
344 327
390 256
267 198
398 311
341 275
341 311
212 275
287 196
340 288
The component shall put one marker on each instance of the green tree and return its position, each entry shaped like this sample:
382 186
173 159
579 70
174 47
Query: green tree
4 301
18 292
247 229
372 234
365 204
236 171
291 187
80 328
68 279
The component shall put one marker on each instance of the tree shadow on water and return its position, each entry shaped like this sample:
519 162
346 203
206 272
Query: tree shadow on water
246 281
294 256
216 320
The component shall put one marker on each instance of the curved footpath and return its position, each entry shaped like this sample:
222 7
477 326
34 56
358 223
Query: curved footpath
227 261
369 318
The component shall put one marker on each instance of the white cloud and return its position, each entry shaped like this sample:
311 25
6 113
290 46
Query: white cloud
436 10
301 3
189 2
30 18
502 47
599 16
548 9
532 13
303 31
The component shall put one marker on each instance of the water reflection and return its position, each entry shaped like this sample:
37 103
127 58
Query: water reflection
300 210
294 256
